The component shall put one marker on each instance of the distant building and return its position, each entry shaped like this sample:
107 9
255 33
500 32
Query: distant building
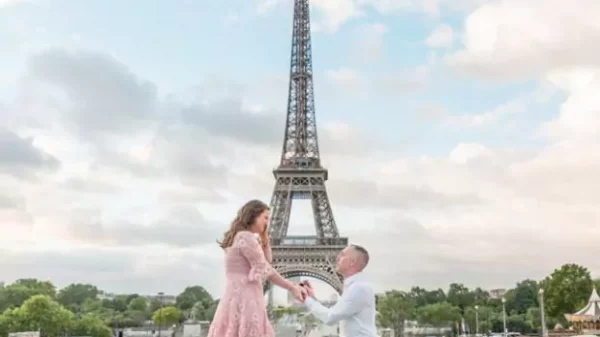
106 296
497 293
166 299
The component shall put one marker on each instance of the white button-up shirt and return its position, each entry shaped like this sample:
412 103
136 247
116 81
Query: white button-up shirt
356 308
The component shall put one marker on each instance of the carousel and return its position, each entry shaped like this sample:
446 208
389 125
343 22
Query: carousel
587 320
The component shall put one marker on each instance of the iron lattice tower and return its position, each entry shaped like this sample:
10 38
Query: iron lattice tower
300 174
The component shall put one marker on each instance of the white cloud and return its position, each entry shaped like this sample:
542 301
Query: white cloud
580 113
442 36
514 38
554 42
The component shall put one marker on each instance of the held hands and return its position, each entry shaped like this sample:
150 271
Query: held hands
298 292
308 287
302 290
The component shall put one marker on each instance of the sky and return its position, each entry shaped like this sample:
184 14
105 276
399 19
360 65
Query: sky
461 136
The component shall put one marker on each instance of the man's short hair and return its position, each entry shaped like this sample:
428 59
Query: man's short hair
363 253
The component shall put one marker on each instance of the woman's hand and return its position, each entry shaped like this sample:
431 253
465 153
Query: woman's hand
264 239
298 292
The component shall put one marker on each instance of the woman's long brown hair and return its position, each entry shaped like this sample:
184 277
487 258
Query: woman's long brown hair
244 219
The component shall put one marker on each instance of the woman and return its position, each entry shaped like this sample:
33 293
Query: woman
242 311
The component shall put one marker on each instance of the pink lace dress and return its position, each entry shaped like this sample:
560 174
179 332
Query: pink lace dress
242 309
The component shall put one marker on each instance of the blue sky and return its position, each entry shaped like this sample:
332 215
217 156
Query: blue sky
438 127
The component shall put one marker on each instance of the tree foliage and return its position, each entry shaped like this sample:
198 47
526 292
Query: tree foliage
74 295
78 309
196 302
192 295
567 289
394 307
460 296
423 297
167 316
90 325
524 296
15 294
138 304
39 313
442 314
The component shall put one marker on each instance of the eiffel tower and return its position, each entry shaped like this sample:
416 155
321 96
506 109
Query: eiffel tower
301 176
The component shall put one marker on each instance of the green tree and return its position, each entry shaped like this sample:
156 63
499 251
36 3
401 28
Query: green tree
135 317
15 294
120 303
510 297
480 297
484 314
138 304
441 314
533 319
73 295
154 304
210 312
89 325
424 297
517 323
394 308
42 313
496 322
167 316
203 311
91 305
40 287
191 295
460 296
567 289
525 296
11 321
123 319
131 297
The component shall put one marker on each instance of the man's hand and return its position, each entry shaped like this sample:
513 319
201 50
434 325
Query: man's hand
309 289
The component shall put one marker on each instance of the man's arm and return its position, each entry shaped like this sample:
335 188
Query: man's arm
350 303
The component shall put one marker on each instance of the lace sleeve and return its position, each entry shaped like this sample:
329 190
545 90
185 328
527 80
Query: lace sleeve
250 248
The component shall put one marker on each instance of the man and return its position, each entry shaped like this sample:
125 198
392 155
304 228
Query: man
356 306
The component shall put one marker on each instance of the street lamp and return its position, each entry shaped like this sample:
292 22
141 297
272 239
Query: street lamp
160 296
542 313
476 320
504 315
